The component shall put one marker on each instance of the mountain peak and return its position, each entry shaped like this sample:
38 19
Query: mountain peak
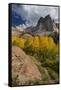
41 20
48 16
46 22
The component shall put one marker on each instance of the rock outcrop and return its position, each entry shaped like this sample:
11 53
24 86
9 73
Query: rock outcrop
44 25
23 69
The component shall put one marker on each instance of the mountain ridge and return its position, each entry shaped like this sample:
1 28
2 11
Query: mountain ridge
44 26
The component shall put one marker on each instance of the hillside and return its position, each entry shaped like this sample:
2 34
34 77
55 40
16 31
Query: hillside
26 70
23 69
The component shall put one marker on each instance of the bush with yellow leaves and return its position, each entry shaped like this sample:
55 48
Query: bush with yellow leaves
18 41
41 43
35 43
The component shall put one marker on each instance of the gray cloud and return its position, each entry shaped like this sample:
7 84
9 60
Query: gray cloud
32 13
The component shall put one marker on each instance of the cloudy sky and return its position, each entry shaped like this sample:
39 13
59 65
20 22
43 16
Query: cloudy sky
28 15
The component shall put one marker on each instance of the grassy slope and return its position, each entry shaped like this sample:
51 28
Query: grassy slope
48 74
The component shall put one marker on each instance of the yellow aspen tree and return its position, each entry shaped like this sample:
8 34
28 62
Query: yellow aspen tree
35 43
51 44
18 41
43 42
28 42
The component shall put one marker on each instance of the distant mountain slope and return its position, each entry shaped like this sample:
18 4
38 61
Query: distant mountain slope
44 25
16 31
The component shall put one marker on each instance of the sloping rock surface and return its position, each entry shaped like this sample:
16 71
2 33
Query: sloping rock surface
23 69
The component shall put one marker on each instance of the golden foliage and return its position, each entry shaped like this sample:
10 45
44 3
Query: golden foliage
28 42
43 42
48 43
18 41
37 42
